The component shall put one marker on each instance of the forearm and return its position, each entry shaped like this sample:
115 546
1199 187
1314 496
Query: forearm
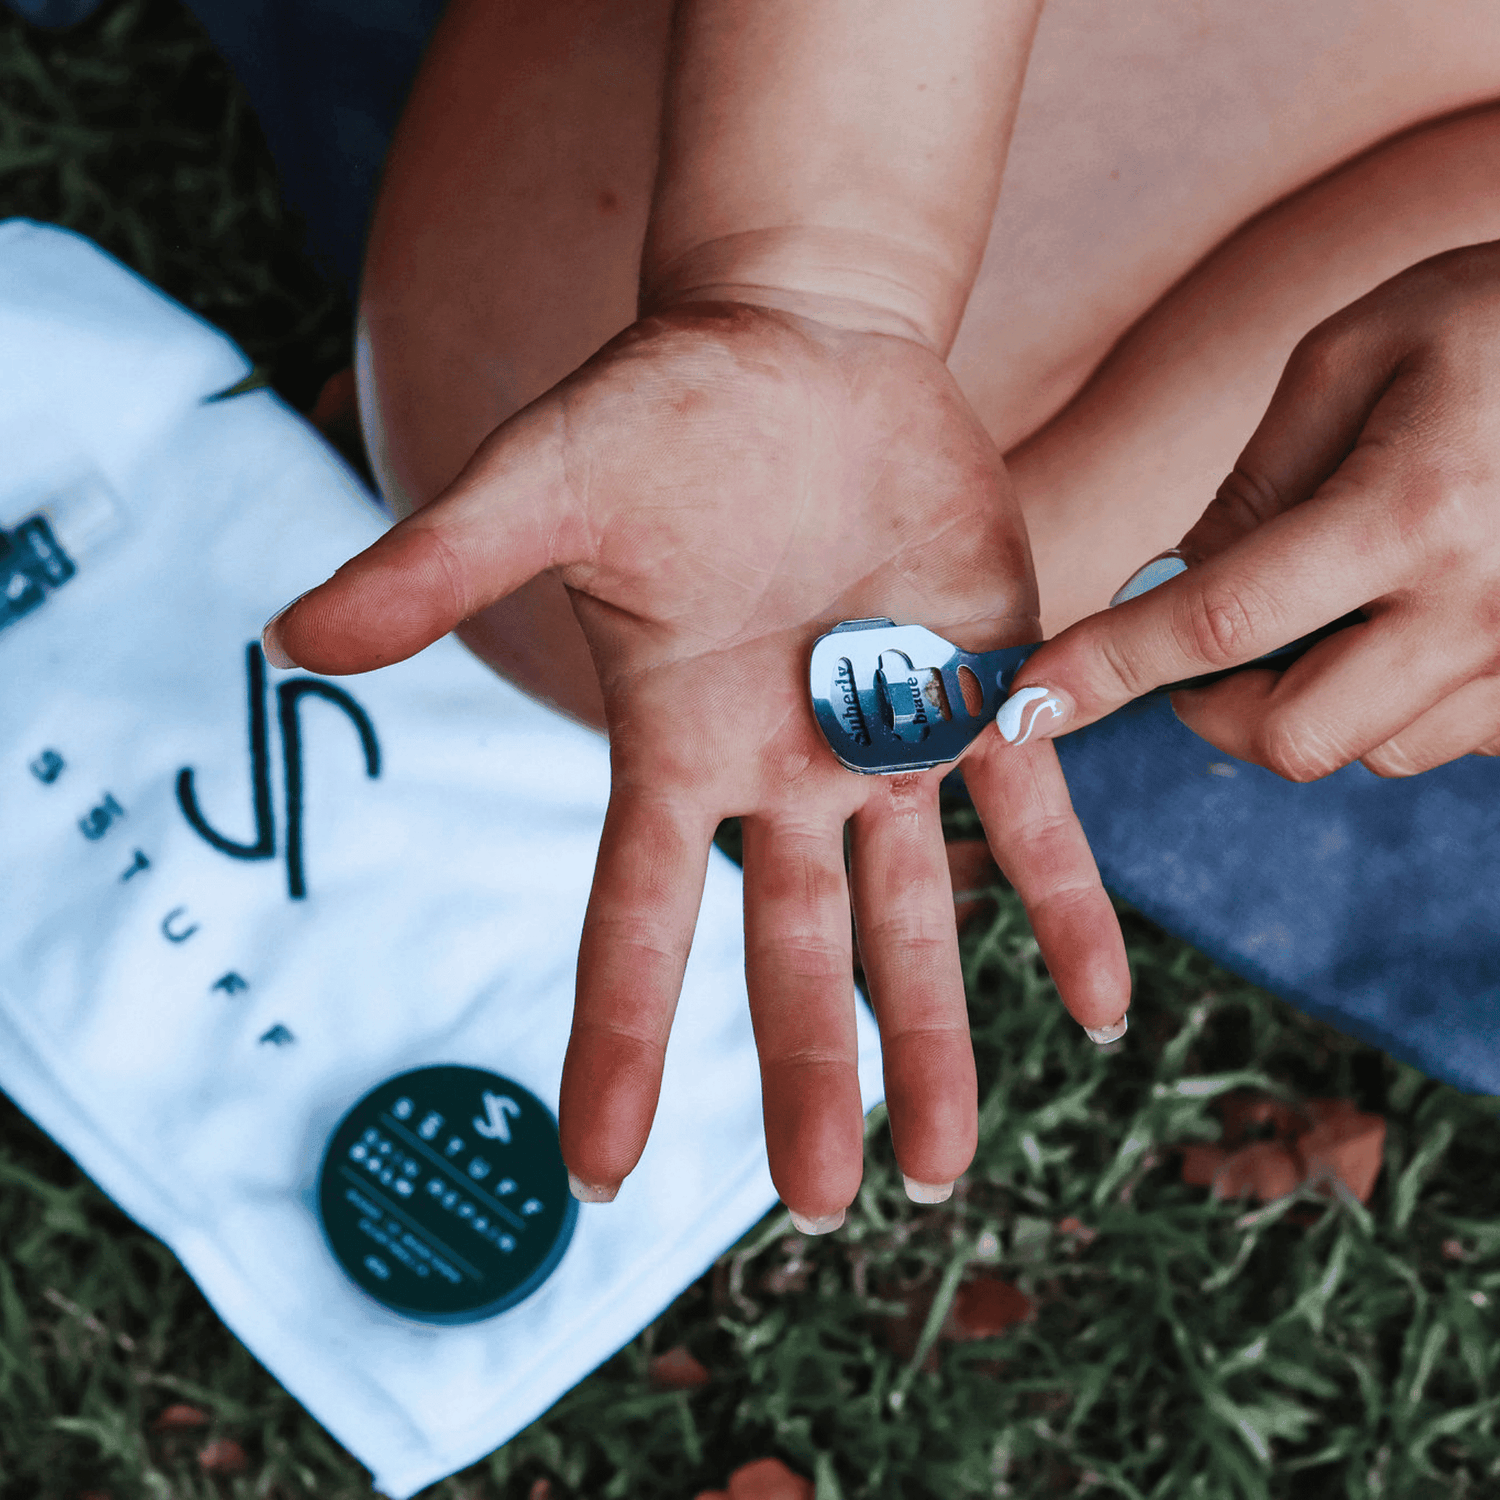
845 153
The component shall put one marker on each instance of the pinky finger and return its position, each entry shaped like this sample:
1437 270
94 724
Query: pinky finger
1466 722
1028 817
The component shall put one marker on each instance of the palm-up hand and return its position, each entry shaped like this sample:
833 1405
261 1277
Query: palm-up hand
716 487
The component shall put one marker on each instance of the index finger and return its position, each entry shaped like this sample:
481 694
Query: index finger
1289 577
648 883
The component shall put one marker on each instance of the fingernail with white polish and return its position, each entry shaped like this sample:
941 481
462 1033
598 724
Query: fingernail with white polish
270 636
813 1224
586 1192
1104 1035
1165 565
927 1192
1028 709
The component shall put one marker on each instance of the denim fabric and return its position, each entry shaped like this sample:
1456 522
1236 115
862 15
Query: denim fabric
327 79
53 13
1373 905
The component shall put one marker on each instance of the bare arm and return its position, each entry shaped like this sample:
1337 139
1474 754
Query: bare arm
840 157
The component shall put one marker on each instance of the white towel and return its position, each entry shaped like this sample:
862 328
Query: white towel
443 898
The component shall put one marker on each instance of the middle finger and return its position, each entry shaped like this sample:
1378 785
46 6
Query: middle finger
800 973
1350 693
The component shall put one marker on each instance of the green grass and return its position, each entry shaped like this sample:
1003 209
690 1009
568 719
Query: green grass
1190 1348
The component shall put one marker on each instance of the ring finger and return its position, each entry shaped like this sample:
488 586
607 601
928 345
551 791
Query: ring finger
908 940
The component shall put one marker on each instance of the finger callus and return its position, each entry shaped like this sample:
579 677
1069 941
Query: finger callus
903 899
1036 839
637 933
799 968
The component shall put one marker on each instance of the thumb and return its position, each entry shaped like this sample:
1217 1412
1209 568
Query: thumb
1333 380
507 517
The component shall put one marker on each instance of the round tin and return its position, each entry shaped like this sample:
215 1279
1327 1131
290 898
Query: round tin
444 1196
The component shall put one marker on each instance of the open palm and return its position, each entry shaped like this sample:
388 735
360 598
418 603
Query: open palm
716 487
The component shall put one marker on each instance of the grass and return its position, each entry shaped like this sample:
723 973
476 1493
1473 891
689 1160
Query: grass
1182 1347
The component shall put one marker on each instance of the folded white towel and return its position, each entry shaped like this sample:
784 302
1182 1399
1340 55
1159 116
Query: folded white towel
173 1012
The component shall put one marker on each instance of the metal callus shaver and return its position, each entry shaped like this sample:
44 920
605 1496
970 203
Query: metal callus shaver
891 698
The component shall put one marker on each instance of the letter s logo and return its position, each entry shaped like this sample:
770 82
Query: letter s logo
288 696
496 1126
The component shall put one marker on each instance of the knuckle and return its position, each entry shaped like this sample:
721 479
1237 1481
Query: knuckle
809 1057
921 947
1322 354
801 872
1076 893
1246 499
1448 504
1050 838
1219 624
799 948
627 1041
1123 674
1040 838
436 557
652 943
1294 752
927 1040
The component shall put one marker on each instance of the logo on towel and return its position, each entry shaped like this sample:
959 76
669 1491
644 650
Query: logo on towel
289 697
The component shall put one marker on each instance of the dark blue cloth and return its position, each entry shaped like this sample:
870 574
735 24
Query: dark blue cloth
1374 905
327 79
53 13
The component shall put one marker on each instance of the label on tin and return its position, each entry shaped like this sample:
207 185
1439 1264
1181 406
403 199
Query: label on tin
444 1196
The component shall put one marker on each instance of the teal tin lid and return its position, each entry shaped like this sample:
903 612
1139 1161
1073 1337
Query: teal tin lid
444 1196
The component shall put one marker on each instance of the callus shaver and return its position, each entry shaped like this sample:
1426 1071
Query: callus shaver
891 698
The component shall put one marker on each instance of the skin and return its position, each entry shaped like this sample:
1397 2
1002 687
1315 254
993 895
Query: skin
855 463
773 445
531 144
1372 483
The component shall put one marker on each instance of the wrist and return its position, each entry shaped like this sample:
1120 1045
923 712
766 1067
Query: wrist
856 280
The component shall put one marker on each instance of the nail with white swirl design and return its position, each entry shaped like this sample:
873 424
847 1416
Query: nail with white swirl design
1027 710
